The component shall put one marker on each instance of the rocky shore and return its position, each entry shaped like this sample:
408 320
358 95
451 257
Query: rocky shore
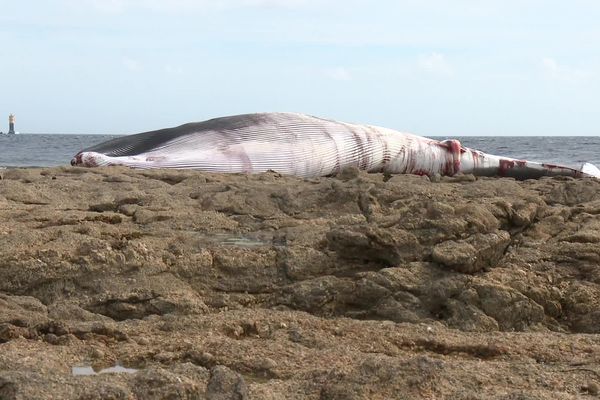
125 284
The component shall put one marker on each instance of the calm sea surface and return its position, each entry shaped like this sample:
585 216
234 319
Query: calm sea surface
41 150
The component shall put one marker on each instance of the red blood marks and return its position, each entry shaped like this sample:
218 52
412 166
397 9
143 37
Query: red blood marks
77 160
505 165
452 166
521 163
476 157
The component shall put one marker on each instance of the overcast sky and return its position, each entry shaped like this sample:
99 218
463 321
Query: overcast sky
443 68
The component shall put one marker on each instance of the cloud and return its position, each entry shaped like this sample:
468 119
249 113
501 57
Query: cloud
131 64
173 69
339 74
552 70
109 6
179 6
435 63
272 3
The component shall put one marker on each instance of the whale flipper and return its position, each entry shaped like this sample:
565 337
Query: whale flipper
590 169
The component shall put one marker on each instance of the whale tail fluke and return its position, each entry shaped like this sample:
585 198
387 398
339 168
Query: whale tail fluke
590 169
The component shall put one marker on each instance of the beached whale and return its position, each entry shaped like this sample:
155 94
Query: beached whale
306 146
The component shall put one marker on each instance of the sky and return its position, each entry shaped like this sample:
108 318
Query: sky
431 67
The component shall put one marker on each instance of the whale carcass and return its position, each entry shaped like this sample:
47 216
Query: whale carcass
306 146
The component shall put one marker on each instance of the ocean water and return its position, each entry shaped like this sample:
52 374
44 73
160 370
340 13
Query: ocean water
44 150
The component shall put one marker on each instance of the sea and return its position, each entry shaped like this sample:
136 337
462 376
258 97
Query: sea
48 150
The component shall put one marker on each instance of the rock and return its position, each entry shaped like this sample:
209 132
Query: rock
51 338
459 178
523 213
102 207
587 323
144 217
574 192
480 251
319 294
355 286
224 384
105 391
591 388
398 311
374 244
511 309
348 173
158 383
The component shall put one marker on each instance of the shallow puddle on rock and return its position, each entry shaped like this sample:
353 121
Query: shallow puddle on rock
86 370
83 371
239 240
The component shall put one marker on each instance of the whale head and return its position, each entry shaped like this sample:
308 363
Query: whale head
90 159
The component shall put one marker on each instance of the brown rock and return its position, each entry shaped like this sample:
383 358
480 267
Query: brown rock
224 384
473 254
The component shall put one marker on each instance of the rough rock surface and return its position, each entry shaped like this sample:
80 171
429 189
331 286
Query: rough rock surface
360 286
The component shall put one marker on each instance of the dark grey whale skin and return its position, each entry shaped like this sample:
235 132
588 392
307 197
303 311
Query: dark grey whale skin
144 142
